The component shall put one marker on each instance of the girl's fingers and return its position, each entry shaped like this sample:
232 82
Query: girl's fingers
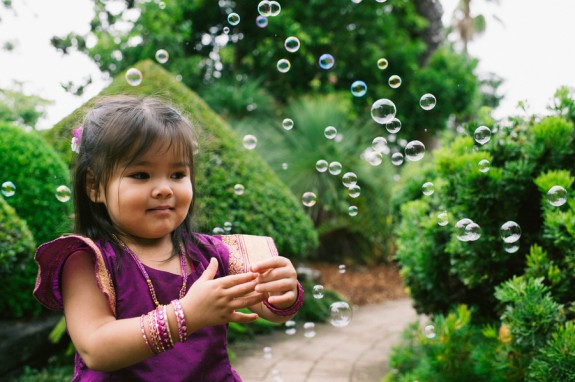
276 286
274 262
243 317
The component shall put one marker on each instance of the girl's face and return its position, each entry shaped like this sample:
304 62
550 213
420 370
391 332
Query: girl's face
150 197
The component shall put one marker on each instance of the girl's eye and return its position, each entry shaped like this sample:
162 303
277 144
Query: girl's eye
139 175
179 175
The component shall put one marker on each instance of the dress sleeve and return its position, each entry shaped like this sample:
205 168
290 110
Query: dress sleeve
245 250
51 258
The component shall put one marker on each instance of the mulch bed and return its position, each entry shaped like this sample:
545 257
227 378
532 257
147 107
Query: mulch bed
363 285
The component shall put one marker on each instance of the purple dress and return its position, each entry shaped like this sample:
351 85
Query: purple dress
203 357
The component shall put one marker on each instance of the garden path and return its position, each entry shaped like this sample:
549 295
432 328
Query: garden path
356 353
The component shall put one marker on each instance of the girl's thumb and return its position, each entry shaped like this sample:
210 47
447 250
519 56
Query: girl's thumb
211 270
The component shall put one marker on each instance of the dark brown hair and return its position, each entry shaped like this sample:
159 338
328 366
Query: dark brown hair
115 132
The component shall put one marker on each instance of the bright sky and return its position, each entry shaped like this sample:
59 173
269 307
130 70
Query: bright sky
532 50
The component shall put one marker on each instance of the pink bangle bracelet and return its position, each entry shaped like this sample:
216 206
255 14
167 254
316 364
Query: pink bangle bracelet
292 309
181 320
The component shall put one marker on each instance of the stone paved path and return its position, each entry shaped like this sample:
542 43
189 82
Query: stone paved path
355 353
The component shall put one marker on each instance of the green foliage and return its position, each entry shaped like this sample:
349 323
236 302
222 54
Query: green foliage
526 293
203 54
37 171
266 208
21 109
446 357
530 313
556 361
17 266
363 238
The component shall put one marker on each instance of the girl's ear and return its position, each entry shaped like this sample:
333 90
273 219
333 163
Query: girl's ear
91 188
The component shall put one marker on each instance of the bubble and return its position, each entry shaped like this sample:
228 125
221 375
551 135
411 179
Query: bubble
318 291
358 88
292 44
482 135
394 81
414 151
308 199
133 77
461 229
283 65
264 8
428 188
250 141
290 327
228 226
383 111
557 196
382 64
511 247
267 351
309 330
442 219
275 8
510 232
233 19
287 124
63 194
393 126
226 30
379 144
326 61
285 166
349 179
330 132
354 191
341 268
218 231
472 231
239 189
397 159
162 56
429 331
8 189
352 211
335 168
427 101
340 314
261 21
373 157
321 165
483 165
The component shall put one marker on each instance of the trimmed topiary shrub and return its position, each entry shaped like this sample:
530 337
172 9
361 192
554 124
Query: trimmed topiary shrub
17 267
36 171
266 206
519 287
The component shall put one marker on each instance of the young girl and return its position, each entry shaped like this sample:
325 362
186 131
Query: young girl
145 298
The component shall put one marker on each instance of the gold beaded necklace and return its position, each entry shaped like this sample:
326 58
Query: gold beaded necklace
147 277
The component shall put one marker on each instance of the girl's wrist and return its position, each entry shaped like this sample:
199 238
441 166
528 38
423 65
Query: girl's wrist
291 310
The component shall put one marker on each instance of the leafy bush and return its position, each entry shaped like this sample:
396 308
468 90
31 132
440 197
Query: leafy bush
267 207
17 266
524 288
36 171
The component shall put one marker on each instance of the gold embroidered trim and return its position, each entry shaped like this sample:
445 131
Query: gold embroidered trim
237 263
245 250
102 276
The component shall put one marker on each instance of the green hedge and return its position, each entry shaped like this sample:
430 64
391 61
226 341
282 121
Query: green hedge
37 171
501 314
267 207
17 266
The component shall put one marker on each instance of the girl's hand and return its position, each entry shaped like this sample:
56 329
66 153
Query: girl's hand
277 280
212 301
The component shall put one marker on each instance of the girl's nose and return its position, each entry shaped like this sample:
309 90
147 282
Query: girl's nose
162 189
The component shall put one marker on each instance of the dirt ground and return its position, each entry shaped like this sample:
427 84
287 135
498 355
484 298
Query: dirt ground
363 285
